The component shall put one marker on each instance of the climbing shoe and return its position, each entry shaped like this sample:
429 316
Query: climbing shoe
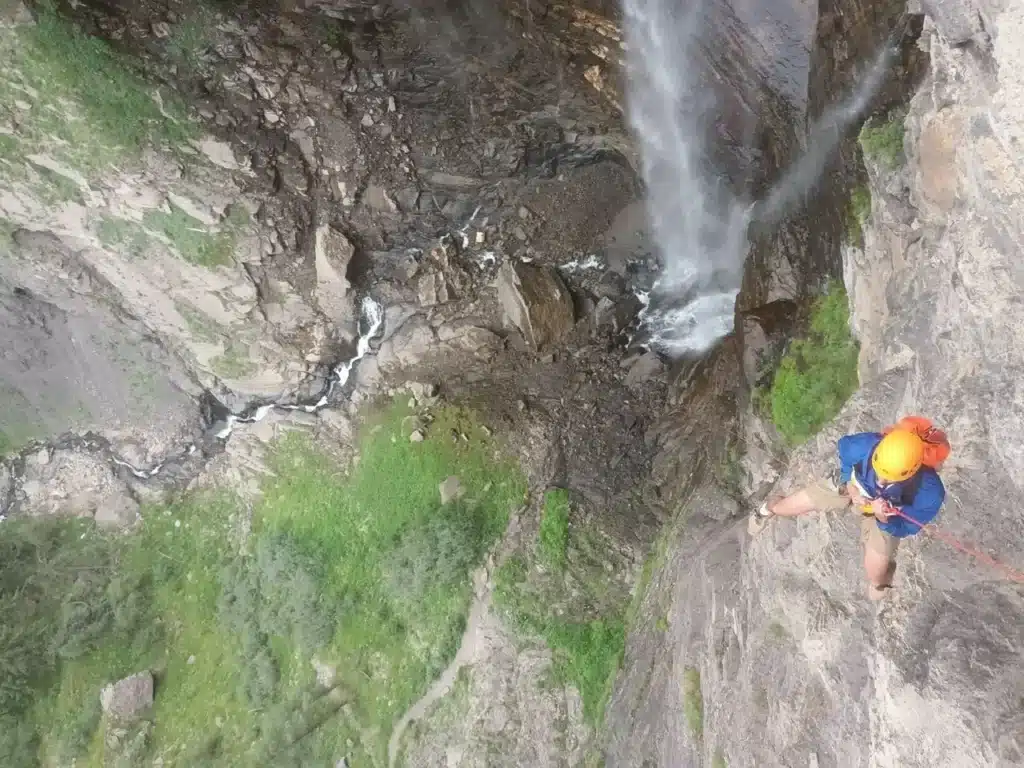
759 520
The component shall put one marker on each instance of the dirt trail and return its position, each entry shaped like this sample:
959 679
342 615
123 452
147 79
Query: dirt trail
473 650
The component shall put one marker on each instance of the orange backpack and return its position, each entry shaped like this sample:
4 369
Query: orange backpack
936 444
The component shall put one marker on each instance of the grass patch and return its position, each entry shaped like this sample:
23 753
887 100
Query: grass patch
586 652
818 373
334 567
719 761
857 215
191 38
234 363
553 541
191 238
693 702
114 232
76 94
882 139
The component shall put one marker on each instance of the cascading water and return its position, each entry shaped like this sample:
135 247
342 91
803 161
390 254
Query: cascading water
697 224
698 220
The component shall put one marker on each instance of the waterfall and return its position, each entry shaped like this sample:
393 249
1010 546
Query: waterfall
697 224
698 221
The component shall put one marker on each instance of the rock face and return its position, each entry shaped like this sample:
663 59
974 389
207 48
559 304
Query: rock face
129 698
796 666
536 302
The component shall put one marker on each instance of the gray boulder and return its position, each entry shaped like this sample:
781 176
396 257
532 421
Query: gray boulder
129 698
536 301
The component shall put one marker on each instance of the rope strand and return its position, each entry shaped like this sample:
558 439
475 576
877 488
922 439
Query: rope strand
1012 573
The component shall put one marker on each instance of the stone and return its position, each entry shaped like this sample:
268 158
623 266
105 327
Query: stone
219 153
193 209
649 366
332 254
118 511
128 699
379 200
958 21
416 436
536 301
326 674
408 346
433 289
451 489
450 180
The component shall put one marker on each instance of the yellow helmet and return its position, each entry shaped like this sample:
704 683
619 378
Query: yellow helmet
898 456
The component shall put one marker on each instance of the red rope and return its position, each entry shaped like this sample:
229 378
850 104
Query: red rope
1012 573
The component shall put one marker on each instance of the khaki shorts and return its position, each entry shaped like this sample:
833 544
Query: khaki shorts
828 499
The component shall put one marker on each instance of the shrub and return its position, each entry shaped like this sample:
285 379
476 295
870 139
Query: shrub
273 593
554 528
818 373
857 215
436 553
882 140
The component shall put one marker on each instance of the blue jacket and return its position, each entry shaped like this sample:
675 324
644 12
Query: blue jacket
920 497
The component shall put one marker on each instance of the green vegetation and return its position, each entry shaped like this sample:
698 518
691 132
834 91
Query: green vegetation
191 37
553 541
234 363
882 140
693 701
58 189
193 240
661 624
333 567
78 99
858 214
586 649
719 761
113 231
818 373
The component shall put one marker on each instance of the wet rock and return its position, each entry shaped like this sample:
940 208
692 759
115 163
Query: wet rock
332 254
536 301
451 489
128 699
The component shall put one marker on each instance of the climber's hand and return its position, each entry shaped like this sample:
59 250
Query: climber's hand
881 510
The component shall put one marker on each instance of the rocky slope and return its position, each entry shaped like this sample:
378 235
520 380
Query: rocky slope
767 651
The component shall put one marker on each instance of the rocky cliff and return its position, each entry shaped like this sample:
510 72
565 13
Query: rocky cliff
766 651
184 283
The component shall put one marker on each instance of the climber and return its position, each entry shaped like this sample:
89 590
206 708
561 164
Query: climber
882 474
